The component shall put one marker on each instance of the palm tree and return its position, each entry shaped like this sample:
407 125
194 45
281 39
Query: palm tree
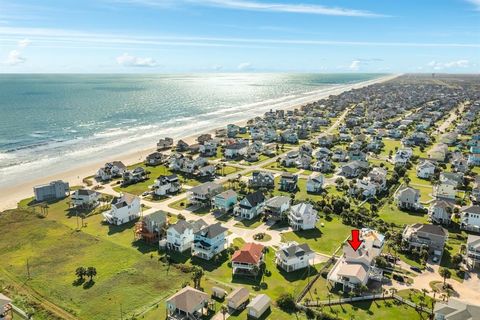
329 296
393 291
446 274
224 311
91 272
197 277
80 272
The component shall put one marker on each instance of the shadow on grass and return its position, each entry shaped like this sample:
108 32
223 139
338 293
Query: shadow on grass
144 247
297 275
87 285
213 264
112 229
309 234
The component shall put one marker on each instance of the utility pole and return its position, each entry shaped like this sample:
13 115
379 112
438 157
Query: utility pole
28 270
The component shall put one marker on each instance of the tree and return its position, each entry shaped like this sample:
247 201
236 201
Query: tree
197 277
286 302
457 259
392 291
446 274
224 311
91 272
80 272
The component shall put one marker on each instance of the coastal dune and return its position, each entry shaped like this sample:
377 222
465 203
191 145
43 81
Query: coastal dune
22 188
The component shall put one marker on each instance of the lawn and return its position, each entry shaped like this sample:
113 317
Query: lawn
227 170
390 213
54 251
278 167
452 247
324 239
390 145
375 310
250 224
302 193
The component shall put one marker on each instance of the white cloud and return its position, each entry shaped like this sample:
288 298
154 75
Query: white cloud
462 63
245 66
476 3
217 67
260 6
128 60
355 65
24 43
15 58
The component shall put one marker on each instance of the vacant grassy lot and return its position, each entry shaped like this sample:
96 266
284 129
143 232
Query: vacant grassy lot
278 167
54 251
322 239
390 213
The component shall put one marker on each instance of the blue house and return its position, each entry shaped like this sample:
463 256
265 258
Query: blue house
209 241
474 156
225 201
251 206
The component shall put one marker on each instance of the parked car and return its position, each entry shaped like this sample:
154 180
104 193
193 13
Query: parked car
416 269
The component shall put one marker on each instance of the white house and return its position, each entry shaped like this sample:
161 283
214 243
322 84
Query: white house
164 185
235 150
440 211
402 156
180 236
446 189
315 183
425 170
51 191
111 170
124 208
302 216
85 198
356 268
292 256
257 307
470 218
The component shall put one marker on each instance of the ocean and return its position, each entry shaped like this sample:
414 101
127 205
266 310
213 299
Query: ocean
53 122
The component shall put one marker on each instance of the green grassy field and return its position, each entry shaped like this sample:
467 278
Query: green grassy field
54 251
390 213
278 167
322 239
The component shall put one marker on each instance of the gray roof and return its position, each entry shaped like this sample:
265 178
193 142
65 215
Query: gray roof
457 310
471 209
277 202
158 217
183 225
85 192
212 230
430 228
295 250
259 302
206 188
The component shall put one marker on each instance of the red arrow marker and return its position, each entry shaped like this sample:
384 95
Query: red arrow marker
355 242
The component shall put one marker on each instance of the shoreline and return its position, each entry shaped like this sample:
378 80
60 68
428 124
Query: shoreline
10 196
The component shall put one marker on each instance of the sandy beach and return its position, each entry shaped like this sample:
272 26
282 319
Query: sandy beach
9 196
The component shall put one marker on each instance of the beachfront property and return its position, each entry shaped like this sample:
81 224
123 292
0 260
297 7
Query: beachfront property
251 206
133 176
248 259
302 216
188 303
470 218
258 306
180 236
429 236
165 185
293 256
209 241
124 208
203 194
356 268
51 191
165 143
155 159
225 201
277 207
111 170
408 198
235 150
261 179
85 198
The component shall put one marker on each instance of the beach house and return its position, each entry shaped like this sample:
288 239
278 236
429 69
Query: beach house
225 201
51 191
124 208
188 303
455 309
235 150
302 216
250 206
180 235
425 169
472 256
356 267
164 185
248 259
470 218
292 256
440 211
408 198
277 207
203 194
164 143
111 170
315 183
209 241
261 179
422 235
288 182
85 198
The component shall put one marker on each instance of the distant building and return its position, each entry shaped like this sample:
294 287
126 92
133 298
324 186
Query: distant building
455 310
51 191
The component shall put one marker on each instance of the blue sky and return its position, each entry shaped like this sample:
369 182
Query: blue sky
239 36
